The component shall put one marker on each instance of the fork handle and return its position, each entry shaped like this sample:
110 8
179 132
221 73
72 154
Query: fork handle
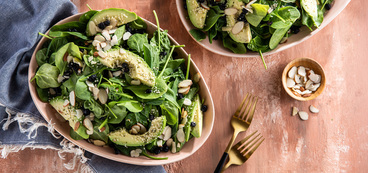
221 162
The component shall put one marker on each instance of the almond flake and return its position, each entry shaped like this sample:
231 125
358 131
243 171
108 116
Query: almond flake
238 27
303 115
313 109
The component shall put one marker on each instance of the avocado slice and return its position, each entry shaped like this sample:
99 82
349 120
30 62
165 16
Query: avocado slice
197 14
245 35
123 137
69 113
120 15
138 68
197 118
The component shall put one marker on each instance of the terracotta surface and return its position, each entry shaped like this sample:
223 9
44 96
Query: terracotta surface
335 140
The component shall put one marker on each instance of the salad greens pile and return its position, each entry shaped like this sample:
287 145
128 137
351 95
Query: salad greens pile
118 85
255 25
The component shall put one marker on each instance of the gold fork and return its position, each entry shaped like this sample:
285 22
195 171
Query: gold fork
241 151
240 122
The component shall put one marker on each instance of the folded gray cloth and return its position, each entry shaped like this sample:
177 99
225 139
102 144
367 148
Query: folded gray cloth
22 125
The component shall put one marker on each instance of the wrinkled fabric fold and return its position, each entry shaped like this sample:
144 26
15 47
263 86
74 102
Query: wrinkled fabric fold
21 125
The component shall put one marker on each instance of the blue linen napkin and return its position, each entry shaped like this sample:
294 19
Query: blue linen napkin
21 123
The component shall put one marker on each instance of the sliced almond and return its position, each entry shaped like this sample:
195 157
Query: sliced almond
187 102
173 147
113 22
292 72
99 142
106 34
89 132
102 129
79 113
302 89
116 73
169 142
315 78
301 71
290 83
237 27
102 54
114 40
297 79
185 83
303 115
184 90
226 28
52 91
99 38
315 87
103 44
197 77
60 78
230 11
142 128
135 82
88 124
295 111
167 133
159 143
180 135
205 6
89 83
306 95
313 109
76 126
72 98
95 92
308 85
126 35
102 96
184 114
66 103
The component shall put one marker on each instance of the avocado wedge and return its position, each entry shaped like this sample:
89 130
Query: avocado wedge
197 14
121 17
123 137
245 35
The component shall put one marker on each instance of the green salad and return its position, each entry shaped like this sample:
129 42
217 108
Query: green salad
255 25
118 85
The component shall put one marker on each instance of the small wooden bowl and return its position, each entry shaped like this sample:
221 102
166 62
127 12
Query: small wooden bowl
307 63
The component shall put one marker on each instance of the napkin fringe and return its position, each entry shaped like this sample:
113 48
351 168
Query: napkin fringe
29 125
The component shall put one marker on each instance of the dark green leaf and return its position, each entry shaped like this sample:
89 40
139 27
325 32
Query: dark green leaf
46 76
197 34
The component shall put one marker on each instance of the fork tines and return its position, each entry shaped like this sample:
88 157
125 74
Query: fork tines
246 147
246 109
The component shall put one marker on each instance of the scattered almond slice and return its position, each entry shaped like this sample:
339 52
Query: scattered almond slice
303 115
230 11
295 111
237 27
313 109
292 72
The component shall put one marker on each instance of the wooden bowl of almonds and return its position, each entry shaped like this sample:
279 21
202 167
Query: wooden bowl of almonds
303 79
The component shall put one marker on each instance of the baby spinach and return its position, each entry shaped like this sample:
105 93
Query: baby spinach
120 112
43 94
67 33
95 107
197 34
81 89
137 41
258 44
47 76
56 44
138 24
69 48
211 19
119 34
41 56
97 135
151 56
70 83
259 12
133 118
170 111
158 90
277 36
75 135
86 16
233 45
131 105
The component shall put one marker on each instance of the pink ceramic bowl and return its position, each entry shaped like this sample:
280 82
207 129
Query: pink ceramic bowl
304 34
51 116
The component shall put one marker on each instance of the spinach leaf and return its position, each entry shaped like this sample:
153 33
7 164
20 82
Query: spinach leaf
79 26
211 19
170 111
285 17
70 83
97 135
158 90
164 41
75 135
41 56
138 24
86 16
119 34
136 42
258 44
197 34
233 45
212 33
81 89
59 58
67 33
277 36
259 12
120 112
152 57
43 94
171 97
95 107
46 76
56 44
133 118
131 105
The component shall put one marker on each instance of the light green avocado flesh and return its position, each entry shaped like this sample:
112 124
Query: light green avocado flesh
245 35
122 17
138 68
197 118
123 137
197 14
68 113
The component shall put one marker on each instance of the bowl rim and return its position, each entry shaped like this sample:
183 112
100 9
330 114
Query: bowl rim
188 25
285 73
129 160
